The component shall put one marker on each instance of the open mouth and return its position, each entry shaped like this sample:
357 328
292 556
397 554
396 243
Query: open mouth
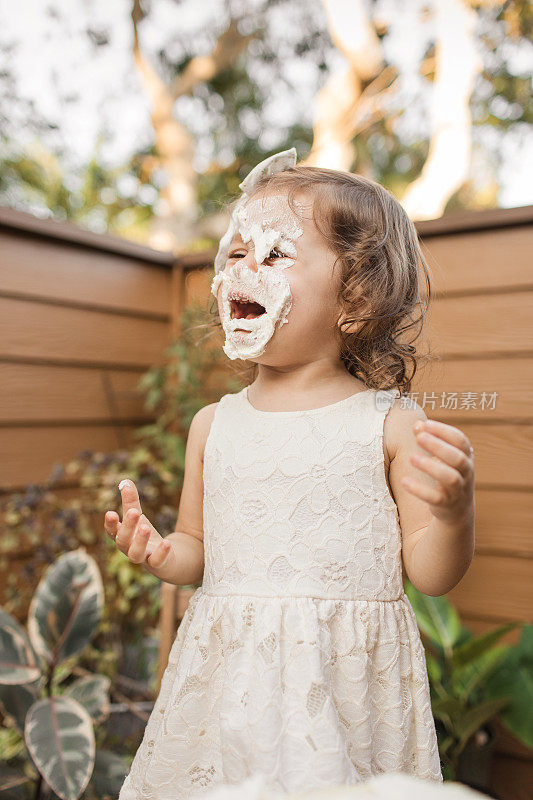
246 310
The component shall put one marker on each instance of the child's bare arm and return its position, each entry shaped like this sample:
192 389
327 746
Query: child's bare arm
179 557
433 487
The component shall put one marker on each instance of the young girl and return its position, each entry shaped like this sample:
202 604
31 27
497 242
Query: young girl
299 656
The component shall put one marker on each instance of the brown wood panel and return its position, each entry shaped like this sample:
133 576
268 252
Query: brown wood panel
503 522
453 389
38 392
506 742
29 454
503 453
511 777
41 331
198 287
491 323
496 587
480 260
53 269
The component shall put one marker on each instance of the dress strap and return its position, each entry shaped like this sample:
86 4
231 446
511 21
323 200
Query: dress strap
385 398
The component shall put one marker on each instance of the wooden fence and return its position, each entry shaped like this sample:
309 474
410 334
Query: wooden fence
83 316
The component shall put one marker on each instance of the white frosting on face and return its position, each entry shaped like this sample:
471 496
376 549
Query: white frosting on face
265 224
269 166
270 223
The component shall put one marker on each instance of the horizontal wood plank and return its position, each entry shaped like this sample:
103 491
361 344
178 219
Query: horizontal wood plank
476 389
29 454
42 331
37 393
503 522
479 261
483 324
503 453
496 587
54 270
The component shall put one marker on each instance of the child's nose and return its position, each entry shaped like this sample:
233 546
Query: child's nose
248 261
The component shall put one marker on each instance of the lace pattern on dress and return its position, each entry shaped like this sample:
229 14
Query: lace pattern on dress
299 657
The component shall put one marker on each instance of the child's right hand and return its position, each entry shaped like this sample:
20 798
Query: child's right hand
135 536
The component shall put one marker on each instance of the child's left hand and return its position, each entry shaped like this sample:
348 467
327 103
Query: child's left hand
452 466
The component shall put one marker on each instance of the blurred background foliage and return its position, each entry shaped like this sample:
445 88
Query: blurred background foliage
224 86
39 525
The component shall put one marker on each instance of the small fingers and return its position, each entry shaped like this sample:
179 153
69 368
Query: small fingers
137 548
127 529
111 523
160 554
431 495
130 496
448 476
445 432
454 456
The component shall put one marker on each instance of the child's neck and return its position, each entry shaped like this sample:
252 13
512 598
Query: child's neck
279 389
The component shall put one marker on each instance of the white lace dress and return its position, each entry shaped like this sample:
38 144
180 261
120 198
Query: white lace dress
299 656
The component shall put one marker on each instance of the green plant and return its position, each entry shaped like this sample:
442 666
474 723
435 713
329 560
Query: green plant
472 680
55 724
40 523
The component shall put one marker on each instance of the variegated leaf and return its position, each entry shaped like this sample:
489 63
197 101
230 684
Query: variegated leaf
59 735
92 691
67 606
19 663
16 700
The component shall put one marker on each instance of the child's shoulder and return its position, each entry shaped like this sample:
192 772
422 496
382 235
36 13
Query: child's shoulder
201 425
398 426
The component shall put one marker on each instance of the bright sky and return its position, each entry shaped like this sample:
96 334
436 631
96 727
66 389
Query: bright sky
53 60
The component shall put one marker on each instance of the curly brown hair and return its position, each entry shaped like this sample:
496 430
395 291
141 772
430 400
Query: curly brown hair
382 307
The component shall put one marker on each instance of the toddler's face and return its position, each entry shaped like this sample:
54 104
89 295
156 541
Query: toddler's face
278 287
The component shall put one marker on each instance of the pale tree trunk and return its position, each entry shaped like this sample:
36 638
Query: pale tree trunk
457 66
175 215
336 103
356 97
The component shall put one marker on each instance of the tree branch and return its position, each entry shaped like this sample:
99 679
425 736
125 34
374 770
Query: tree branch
204 68
457 65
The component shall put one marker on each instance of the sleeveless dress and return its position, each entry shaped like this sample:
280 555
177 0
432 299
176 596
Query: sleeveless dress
299 656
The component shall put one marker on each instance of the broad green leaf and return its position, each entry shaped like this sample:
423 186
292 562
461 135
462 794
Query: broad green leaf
434 668
474 718
60 739
16 700
436 617
92 691
447 708
478 645
67 606
515 677
19 663
446 744
473 676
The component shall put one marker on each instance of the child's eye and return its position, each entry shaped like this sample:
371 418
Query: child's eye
275 253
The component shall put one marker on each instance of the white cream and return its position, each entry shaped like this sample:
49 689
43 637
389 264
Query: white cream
265 224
